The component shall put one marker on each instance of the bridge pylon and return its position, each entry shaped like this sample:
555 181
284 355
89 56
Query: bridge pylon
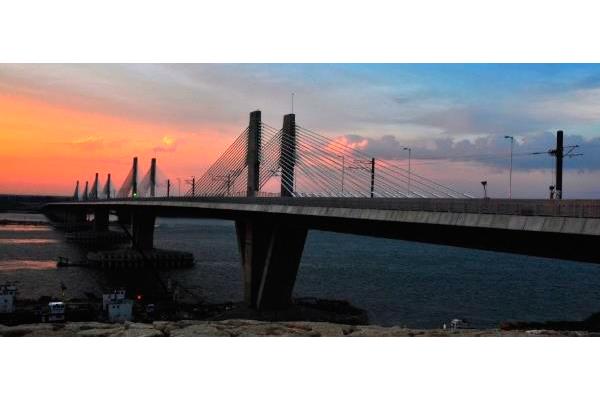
134 173
94 191
153 177
288 153
253 154
76 193
107 189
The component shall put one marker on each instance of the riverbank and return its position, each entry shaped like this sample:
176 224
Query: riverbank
240 328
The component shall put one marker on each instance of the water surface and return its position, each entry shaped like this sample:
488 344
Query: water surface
397 282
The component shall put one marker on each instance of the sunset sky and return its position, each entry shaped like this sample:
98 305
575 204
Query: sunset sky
63 122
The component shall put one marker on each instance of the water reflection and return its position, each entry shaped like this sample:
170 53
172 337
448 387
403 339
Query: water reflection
13 265
27 241
24 228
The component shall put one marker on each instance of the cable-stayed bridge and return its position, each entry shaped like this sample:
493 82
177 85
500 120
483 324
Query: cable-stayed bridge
326 184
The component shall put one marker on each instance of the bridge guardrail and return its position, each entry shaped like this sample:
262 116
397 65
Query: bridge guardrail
526 207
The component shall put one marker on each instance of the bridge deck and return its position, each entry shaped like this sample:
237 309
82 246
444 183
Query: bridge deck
567 229
524 207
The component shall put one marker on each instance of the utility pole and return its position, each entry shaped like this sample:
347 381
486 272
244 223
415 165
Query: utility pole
225 178
192 182
512 142
168 188
361 165
372 177
559 153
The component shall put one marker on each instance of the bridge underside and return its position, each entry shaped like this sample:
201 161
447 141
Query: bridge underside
271 237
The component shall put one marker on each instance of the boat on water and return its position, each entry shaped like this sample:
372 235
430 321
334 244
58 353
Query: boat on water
8 292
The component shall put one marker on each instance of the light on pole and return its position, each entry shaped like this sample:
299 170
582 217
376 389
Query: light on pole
409 151
484 184
512 142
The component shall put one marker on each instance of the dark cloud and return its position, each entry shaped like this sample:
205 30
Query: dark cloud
490 150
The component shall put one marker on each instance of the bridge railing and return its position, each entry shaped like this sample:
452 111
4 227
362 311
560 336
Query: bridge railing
525 207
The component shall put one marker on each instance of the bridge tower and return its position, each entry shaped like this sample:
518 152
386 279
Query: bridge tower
94 191
288 153
134 171
153 177
85 192
108 187
76 194
253 155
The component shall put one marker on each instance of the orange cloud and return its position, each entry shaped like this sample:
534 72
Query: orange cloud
45 148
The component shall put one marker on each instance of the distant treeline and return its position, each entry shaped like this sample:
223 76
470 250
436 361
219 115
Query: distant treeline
30 203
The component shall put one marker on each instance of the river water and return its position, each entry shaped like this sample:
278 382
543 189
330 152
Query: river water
397 282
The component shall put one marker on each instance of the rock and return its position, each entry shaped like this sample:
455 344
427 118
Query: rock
81 326
200 329
160 325
139 332
25 330
137 325
115 331
320 328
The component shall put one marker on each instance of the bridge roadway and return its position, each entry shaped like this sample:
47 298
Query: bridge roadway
271 231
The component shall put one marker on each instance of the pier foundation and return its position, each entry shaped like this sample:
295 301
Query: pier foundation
143 230
270 253
101 219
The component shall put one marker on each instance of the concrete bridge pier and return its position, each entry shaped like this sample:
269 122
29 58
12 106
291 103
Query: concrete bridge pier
101 219
270 251
75 219
124 217
142 230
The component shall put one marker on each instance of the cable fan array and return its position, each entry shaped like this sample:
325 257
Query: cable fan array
321 167
326 167
307 163
228 175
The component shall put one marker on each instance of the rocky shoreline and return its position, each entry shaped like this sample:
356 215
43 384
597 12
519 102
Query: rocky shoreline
242 327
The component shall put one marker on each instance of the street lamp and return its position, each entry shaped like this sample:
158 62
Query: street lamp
512 142
484 184
409 151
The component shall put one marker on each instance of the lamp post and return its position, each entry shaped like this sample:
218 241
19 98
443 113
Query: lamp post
512 142
484 184
409 151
